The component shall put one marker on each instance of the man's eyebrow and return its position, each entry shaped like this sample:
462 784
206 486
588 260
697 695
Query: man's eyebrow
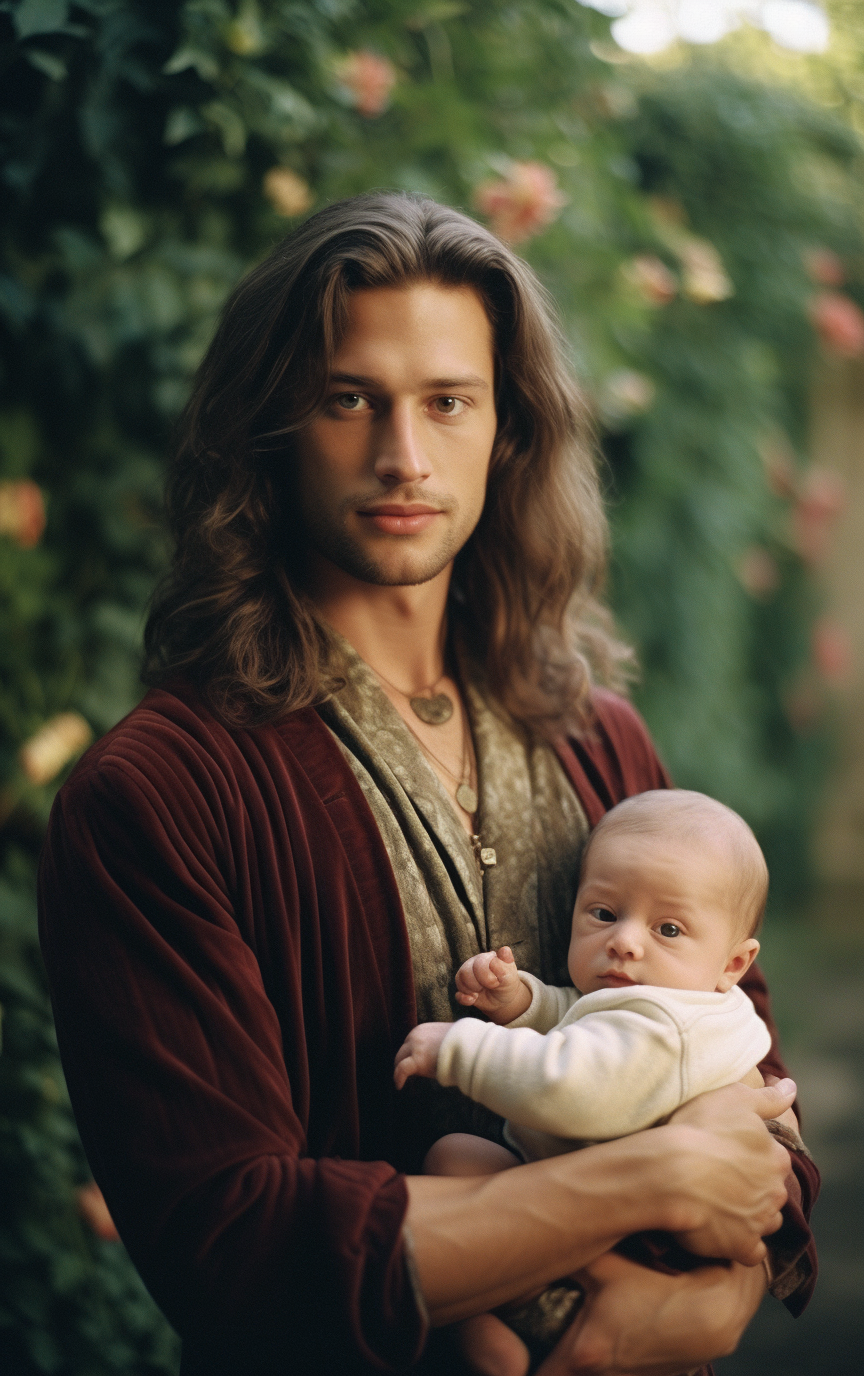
437 384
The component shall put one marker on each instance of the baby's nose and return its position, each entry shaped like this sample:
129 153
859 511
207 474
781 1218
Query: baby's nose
625 939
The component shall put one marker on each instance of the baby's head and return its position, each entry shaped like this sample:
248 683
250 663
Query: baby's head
672 892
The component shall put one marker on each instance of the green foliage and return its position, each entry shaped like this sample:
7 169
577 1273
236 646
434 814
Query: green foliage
136 136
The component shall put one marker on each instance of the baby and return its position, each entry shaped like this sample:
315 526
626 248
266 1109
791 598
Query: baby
672 891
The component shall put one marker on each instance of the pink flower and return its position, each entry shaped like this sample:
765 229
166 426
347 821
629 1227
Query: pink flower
22 512
522 203
804 704
651 278
780 471
832 651
839 322
626 393
819 502
94 1210
758 571
367 79
824 267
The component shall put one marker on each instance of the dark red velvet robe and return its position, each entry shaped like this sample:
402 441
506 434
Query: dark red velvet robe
231 978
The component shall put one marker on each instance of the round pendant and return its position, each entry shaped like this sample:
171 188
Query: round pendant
467 798
434 711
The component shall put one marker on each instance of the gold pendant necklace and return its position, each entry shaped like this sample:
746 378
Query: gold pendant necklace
465 794
434 710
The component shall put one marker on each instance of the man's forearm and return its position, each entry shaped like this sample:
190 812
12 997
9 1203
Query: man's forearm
480 1242
715 1179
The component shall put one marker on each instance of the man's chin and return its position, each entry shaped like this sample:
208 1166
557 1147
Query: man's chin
405 574
392 568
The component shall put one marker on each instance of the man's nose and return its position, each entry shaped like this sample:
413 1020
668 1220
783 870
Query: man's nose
401 455
626 940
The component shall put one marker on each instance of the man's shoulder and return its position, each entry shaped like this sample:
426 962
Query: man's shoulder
170 727
613 758
620 728
172 742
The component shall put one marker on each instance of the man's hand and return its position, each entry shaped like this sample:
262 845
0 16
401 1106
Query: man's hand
490 982
418 1054
637 1322
729 1172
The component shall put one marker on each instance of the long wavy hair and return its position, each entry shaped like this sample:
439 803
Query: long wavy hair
232 612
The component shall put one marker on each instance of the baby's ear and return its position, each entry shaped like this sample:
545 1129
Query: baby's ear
741 957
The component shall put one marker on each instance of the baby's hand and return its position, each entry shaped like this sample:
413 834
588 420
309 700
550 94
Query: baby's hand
418 1054
491 983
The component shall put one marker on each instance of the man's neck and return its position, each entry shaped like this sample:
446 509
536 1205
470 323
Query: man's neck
399 631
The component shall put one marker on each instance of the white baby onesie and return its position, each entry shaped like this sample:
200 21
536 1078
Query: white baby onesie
580 1068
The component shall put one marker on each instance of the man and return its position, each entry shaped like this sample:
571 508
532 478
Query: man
353 771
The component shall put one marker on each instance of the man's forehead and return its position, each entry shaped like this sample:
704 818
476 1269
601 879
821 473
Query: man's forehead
442 333
470 381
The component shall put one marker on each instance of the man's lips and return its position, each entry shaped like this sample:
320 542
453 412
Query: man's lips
395 518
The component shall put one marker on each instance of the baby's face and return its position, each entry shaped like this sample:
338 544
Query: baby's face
656 910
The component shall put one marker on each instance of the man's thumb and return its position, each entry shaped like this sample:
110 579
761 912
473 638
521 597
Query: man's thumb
771 1101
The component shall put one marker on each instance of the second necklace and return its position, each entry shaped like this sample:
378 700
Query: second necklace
466 796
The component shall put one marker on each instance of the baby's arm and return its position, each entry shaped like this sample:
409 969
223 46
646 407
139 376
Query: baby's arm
418 1054
604 1073
490 983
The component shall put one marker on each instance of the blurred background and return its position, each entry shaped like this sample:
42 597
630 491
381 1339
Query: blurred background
686 177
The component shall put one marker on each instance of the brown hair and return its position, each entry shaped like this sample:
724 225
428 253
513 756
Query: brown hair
231 612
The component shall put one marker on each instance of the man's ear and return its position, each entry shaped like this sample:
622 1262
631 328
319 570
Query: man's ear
741 957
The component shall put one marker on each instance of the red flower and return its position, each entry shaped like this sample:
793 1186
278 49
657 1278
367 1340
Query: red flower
22 512
522 203
832 651
758 571
94 1210
820 500
367 80
839 322
824 267
780 471
804 705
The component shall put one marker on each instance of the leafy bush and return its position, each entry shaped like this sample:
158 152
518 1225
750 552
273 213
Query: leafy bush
152 149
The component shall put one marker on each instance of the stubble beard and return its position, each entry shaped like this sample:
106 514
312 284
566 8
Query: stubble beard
407 569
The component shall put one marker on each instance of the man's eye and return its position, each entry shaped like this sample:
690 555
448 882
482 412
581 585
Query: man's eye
350 401
449 406
669 929
603 914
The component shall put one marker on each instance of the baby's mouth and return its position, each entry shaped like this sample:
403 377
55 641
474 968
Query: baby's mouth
616 978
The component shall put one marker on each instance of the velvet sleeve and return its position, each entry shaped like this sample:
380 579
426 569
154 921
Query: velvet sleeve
262 1257
793 1249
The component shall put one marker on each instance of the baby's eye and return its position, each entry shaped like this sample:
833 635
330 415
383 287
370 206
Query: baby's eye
603 914
669 929
350 401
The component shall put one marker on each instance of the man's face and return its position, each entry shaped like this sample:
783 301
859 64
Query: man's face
392 476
